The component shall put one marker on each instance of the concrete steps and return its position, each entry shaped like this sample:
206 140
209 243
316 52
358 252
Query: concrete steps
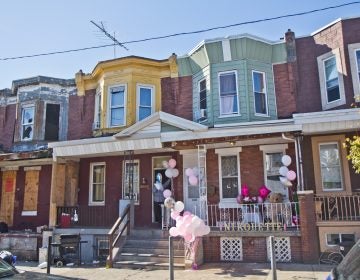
149 249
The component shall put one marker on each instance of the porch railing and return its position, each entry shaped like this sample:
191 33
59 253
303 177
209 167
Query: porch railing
255 217
121 224
337 207
86 216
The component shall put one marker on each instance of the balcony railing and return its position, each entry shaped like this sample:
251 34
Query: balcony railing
86 216
255 217
337 208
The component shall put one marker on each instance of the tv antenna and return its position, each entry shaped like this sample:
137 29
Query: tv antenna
116 42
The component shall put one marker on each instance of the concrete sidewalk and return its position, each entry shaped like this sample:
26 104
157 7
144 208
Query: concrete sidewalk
256 271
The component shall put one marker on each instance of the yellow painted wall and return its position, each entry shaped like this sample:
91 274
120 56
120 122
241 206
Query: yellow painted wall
129 71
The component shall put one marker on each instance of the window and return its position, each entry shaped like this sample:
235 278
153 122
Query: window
97 113
229 174
27 123
354 56
52 122
97 184
117 106
336 238
145 101
330 166
228 94
260 98
331 80
272 162
131 187
102 248
202 97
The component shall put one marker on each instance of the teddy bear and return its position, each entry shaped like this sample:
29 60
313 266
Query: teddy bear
274 209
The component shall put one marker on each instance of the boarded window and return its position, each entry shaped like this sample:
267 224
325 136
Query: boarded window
31 190
8 197
52 122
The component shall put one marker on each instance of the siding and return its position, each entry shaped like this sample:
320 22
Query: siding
204 73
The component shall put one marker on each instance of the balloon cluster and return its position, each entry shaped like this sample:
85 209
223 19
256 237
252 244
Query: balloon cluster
192 173
245 197
171 171
188 226
286 175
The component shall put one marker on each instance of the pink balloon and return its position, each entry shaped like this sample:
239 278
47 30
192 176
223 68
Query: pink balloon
172 163
193 180
260 199
174 214
264 192
245 190
173 231
188 237
189 172
167 193
186 213
291 175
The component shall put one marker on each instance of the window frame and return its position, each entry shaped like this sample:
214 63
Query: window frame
147 86
110 105
322 79
97 110
135 161
23 108
346 183
91 184
355 69
200 92
272 149
265 93
228 202
339 234
234 114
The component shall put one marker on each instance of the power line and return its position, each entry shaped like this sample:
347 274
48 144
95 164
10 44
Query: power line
184 33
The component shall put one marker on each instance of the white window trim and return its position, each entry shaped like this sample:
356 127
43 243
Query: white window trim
152 88
44 118
97 124
26 106
355 69
341 168
268 149
266 94
206 91
91 202
340 237
322 78
221 115
28 213
228 202
109 105
137 202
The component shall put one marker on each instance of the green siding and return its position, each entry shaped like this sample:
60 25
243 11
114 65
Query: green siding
169 128
204 74
184 66
214 52
198 60
279 53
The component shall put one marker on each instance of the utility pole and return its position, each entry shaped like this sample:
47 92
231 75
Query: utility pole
116 42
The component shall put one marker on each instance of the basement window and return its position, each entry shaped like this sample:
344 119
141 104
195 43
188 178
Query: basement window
27 123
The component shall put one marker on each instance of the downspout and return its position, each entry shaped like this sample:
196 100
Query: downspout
299 167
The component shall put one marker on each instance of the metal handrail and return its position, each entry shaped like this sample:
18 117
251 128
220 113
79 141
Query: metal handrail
115 233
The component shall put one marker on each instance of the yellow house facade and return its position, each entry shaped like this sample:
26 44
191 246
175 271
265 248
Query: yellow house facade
128 89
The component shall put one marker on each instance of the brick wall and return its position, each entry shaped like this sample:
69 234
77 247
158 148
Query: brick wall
81 115
211 245
254 249
7 125
176 96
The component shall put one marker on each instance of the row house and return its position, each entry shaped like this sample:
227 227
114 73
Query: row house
231 108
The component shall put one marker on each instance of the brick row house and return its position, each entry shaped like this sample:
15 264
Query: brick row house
232 107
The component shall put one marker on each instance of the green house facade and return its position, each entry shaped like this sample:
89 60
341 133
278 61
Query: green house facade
233 80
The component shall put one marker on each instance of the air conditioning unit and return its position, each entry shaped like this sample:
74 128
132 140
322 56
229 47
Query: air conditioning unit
203 114
96 125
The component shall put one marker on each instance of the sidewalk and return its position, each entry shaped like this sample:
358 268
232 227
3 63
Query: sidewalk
255 271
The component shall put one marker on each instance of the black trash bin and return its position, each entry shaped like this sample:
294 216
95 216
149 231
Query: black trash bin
69 249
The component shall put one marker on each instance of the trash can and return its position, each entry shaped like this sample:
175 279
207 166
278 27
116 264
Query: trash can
69 249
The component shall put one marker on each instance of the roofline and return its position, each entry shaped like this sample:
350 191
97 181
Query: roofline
332 23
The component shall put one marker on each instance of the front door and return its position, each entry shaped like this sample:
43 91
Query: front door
191 193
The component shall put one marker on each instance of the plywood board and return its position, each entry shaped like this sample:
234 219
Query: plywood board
31 190
8 196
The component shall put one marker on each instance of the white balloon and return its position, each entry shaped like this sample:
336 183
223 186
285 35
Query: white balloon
286 160
165 164
175 172
179 206
283 171
285 181
169 173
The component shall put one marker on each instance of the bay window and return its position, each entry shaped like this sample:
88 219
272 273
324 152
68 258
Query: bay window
228 93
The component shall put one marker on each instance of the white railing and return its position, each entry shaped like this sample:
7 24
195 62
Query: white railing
338 207
255 217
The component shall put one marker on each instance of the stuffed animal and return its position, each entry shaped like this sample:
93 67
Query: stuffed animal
274 210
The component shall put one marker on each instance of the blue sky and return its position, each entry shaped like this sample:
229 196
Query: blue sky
40 26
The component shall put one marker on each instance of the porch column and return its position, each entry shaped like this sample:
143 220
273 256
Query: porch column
308 228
